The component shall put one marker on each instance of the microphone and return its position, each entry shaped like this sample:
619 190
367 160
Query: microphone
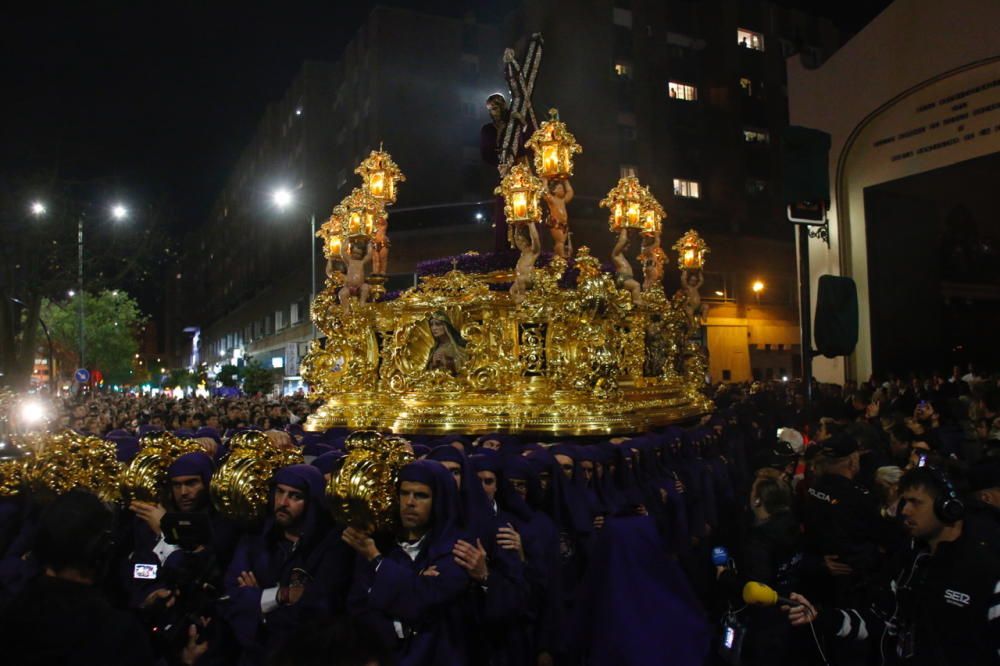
758 594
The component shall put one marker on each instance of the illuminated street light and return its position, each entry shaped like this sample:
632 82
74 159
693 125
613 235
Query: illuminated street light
33 412
119 211
71 293
282 197
758 287
37 208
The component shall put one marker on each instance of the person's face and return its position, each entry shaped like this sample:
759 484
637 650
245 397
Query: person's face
489 480
494 445
918 449
357 251
455 469
495 107
566 463
415 501
289 505
188 492
559 189
918 514
587 468
438 328
156 421
520 487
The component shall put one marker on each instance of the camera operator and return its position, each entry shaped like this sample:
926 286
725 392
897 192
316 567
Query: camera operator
176 577
771 554
61 616
943 604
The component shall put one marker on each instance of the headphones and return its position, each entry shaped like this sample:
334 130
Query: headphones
948 506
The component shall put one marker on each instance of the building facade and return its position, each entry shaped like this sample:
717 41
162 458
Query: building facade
915 138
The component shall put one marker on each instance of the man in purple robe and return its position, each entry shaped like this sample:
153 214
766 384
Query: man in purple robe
411 593
292 569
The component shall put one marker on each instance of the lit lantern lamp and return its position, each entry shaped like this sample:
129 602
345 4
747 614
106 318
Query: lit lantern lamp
380 175
652 215
521 191
691 250
627 201
554 148
332 233
361 212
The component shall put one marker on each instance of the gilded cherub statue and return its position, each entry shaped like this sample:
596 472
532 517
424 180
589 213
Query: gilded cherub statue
557 194
624 278
359 254
530 245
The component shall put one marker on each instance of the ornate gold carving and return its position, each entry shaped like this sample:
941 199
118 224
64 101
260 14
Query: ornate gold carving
564 361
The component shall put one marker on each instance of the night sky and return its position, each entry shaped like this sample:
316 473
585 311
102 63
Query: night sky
156 101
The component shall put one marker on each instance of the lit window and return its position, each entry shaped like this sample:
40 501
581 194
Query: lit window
749 39
279 320
687 188
747 86
294 315
626 170
756 136
623 70
683 91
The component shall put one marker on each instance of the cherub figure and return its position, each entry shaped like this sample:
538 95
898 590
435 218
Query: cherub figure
653 258
624 278
557 194
380 247
530 245
691 282
355 260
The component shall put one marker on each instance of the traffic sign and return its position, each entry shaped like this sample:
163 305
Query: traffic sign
82 375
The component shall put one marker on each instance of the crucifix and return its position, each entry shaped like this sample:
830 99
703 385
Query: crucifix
502 140
521 82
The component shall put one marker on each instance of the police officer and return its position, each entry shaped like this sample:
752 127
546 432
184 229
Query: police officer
843 524
943 604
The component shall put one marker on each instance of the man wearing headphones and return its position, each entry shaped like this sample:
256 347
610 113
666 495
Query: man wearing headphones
942 606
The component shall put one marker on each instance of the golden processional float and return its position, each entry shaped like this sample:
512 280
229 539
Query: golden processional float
551 349
568 349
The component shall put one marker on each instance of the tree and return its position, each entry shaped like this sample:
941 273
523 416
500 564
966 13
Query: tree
229 376
38 255
258 379
112 322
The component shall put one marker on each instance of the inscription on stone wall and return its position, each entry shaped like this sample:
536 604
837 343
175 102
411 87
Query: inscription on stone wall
948 121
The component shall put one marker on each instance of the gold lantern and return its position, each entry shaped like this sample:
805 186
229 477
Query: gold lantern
521 192
380 175
360 215
691 250
628 201
554 148
652 214
332 233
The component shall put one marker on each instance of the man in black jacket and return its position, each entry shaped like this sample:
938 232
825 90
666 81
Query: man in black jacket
942 606
61 617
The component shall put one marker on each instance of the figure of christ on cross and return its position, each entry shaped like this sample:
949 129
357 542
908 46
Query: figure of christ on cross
501 141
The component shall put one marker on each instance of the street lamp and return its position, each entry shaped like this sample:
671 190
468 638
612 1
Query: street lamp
282 198
118 212
757 288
